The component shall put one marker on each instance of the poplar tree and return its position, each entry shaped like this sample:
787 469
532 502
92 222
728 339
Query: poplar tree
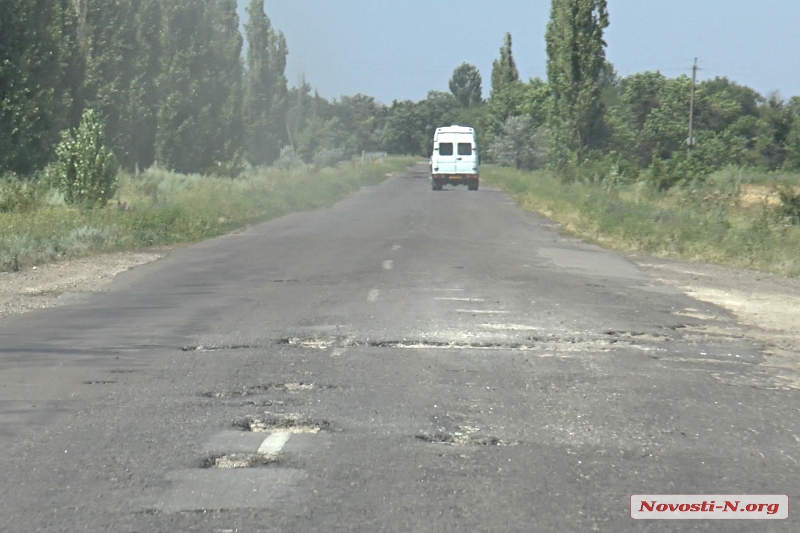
144 91
504 69
199 84
38 57
108 42
230 70
265 88
575 62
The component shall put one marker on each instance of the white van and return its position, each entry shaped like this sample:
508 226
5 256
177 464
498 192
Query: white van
455 158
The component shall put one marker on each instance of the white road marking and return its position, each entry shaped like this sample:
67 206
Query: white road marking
373 295
511 327
461 299
273 444
445 290
482 312
396 247
388 265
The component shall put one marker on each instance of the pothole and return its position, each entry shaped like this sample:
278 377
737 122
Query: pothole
269 423
460 439
266 388
316 344
559 342
238 460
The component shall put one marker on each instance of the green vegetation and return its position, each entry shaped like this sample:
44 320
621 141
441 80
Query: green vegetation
86 171
168 81
158 208
575 61
732 217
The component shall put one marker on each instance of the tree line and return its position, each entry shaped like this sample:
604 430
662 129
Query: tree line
169 80
166 77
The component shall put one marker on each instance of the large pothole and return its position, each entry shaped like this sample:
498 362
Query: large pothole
270 423
238 460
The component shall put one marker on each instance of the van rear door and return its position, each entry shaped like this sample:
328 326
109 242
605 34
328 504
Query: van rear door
465 154
445 156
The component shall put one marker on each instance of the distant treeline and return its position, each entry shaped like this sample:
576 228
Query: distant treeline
169 80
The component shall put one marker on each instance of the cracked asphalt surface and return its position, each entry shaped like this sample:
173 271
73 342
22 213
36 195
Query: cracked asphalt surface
416 360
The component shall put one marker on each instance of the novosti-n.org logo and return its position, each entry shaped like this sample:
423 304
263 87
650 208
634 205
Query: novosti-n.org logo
714 507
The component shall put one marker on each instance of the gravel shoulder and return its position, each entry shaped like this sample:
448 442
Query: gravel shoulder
45 286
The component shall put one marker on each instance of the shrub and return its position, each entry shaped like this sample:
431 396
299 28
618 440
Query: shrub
790 205
289 160
325 158
86 170
16 195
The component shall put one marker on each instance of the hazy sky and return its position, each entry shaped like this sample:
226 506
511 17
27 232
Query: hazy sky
402 49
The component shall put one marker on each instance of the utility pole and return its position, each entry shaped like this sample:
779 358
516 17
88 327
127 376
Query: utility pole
690 141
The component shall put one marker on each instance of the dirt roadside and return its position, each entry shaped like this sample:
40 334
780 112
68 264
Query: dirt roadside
43 286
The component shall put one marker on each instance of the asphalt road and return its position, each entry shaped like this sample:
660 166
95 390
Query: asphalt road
407 360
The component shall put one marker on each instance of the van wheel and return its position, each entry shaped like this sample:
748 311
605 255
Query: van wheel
473 186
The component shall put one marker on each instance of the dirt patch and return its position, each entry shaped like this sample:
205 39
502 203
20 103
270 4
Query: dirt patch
766 307
40 287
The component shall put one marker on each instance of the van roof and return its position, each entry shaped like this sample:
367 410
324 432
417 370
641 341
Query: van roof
455 129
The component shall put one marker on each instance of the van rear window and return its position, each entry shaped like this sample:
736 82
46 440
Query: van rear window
445 148
464 149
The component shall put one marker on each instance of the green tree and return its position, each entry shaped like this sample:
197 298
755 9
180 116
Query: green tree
467 85
227 47
405 128
504 69
38 64
199 83
576 61
144 92
265 87
793 139
108 41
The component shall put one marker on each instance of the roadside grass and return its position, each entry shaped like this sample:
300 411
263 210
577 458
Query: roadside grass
730 219
158 208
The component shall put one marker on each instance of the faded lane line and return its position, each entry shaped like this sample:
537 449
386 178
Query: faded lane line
445 290
273 444
373 295
511 327
482 312
388 265
396 247
460 299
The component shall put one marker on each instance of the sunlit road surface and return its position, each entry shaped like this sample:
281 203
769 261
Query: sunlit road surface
408 360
